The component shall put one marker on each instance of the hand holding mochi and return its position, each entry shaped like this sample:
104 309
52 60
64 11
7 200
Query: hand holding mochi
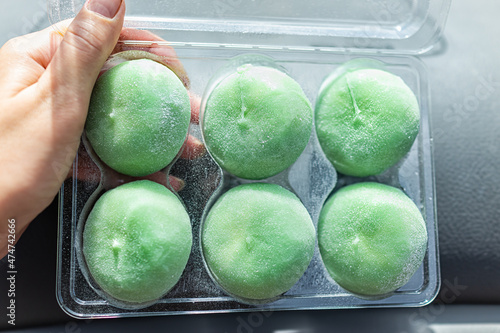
137 241
257 121
258 240
372 238
366 121
138 117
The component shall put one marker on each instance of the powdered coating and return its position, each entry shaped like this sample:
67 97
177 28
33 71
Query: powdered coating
258 240
257 122
372 238
138 117
137 240
366 121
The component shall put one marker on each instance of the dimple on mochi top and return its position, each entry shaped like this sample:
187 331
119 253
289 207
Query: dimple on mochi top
257 121
138 117
366 121
136 241
258 240
372 238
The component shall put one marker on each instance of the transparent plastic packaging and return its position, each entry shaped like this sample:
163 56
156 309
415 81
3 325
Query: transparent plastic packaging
228 31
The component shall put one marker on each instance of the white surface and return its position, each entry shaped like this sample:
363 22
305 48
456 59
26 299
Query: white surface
20 17
465 328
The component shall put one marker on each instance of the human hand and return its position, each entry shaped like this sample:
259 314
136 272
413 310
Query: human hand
45 84
46 79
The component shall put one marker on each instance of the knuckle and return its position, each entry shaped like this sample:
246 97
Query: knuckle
85 38
13 45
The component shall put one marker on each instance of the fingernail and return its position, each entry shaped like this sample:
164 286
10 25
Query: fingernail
106 8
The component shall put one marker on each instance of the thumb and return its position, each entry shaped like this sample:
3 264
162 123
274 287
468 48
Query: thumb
87 43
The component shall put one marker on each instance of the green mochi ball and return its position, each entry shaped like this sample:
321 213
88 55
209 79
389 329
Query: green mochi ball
258 240
136 241
138 117
366 121
372 238
257 121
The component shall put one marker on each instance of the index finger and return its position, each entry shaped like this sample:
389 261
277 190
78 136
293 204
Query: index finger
130 39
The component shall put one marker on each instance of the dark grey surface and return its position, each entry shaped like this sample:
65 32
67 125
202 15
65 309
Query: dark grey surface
466 121
465 99
431 319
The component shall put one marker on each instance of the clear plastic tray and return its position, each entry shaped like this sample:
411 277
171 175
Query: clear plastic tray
312 177
390 26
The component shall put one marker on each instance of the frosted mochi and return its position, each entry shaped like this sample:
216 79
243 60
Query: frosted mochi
366 121
372 238
258 240
136 241
138 117
257 121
